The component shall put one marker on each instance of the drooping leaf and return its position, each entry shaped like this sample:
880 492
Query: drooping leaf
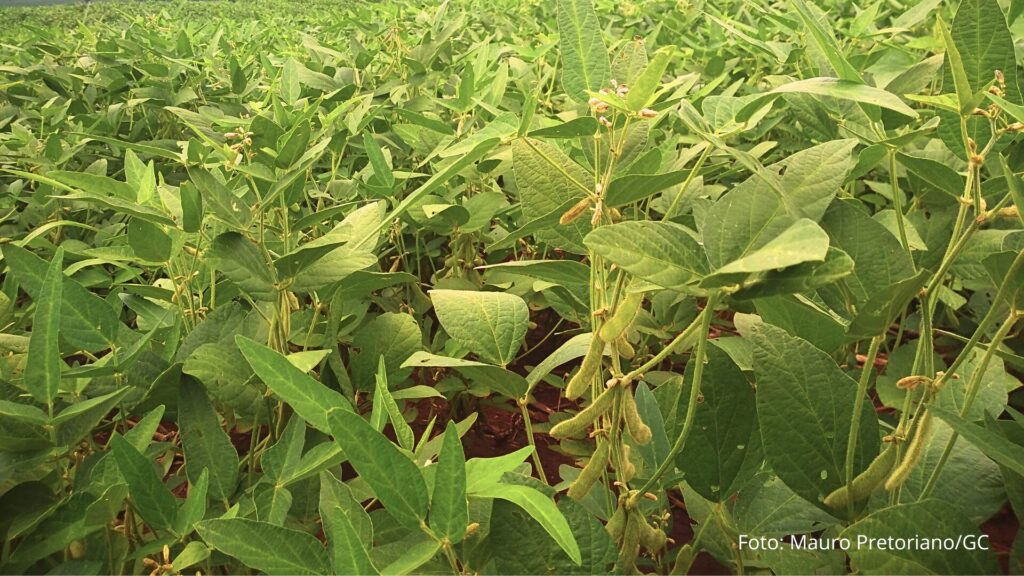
542 509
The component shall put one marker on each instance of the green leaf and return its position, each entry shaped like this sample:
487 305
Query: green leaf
385 404
804 241
549 182
193 509
42 372
724 444
449 511
344 541
664 253
483 377
938 174
993 444
381 170
290 88
336 265
826 42
1015 186
575 128
243 263
152 500
542 509
77 420
413 557
395 479
191 207
436 181
517 548
491 324
844 90
193 553
310 399
293 145
204 443
86 320
266 547
23 412
878 257
884 305
585 65
482 472
941 519
985 44
767 203
279 460
965 94
149 241
641 91
804 405
393 336
801 278
803 318
221 200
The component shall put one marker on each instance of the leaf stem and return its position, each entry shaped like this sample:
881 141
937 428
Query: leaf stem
858 406
691 407
522 402
689 178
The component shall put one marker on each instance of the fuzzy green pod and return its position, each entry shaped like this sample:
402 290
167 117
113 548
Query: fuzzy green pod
640 432
865 482
627 469
684 559
588 369
914 452
616 525
575 212
624 349
590 474
622 318
629 549
651 538
578 424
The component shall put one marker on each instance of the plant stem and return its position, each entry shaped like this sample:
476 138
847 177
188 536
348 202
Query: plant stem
691 408
858 405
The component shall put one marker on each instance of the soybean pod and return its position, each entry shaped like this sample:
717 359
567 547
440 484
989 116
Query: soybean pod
914 452
579 423
637 429
866 482
622 318
589 369
591 473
